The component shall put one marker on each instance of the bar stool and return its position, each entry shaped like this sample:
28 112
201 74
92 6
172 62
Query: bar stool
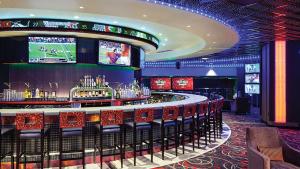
29 126
219 117
202 118
6 132
212 119
143 121
169 119
187 118
71 124
111 122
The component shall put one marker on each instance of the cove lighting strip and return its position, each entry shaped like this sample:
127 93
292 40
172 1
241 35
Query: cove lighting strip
280 81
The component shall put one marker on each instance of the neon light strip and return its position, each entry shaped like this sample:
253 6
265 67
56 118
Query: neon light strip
280 82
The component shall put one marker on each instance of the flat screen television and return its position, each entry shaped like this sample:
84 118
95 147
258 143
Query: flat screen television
114 53
182 83
252 68
252 88
252 78
160 83
52 49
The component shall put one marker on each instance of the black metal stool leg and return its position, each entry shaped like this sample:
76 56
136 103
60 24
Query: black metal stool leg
151 141
101 147
134 144
60 148
121 145
83 147
162 141
176 138
42 149
18 150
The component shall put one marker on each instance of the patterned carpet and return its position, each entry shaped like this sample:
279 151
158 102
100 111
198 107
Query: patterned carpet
233 154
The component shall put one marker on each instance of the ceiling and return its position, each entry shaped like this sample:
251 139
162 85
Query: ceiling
256 21
183 34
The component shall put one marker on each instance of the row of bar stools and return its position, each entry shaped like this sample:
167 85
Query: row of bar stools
111 122
187 118
168 119
71 124
29 126
6 132
143 121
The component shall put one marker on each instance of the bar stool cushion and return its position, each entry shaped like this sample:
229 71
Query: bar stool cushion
109 128
6 130
139 126
167 123
70 132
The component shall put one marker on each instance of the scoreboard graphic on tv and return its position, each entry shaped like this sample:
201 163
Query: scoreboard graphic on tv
161 83
182 83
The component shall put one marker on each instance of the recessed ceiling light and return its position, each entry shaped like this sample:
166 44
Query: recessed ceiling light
115 22
144 15
214 42
81 7
205 58
143 28
166 39
32 15
208 34
163 44
76 17
188 26
160 34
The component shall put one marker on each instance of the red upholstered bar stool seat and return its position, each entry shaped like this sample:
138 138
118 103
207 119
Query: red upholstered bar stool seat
167 121
143 121
6 132
71 124
187 118
111 122
201 119
30 126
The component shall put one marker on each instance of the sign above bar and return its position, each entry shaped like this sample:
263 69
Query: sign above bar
81 26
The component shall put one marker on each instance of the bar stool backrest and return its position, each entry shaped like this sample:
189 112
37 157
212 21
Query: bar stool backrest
170 113
111 117
203 108
213 106
143 115
30 121
189 110
71 119
220 104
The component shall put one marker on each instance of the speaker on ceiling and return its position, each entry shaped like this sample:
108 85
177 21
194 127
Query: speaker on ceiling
177 65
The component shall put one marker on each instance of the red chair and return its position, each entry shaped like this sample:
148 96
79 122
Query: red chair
29 126
6 131
169 119
143 121
188 118
202 115
71 124
111 122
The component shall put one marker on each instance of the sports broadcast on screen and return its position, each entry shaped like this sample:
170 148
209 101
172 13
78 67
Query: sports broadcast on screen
114 53
52 50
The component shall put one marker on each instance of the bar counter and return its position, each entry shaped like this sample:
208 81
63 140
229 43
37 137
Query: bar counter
189 99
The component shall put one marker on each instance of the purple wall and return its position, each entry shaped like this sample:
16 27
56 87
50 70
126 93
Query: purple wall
66 75
232 71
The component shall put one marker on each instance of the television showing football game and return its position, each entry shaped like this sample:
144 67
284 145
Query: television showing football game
252 78
182 83
252 88
114 53
52 50
252 68
160 83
